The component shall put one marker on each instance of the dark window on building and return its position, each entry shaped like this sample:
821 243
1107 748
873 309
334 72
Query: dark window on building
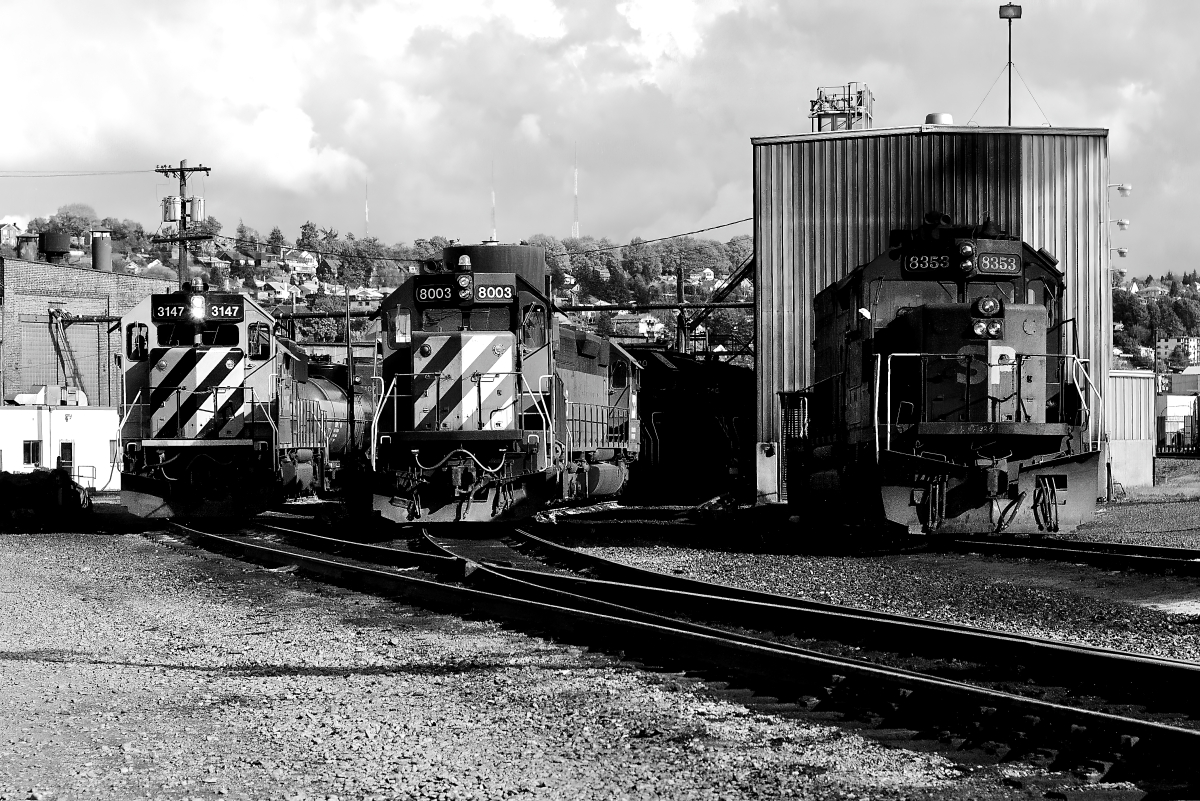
32 452
66 455
137 342
260 340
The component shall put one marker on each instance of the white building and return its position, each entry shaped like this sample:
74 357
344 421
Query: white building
85 440
1190 345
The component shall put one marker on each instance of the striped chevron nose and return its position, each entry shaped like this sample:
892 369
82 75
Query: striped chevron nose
196 393
465 383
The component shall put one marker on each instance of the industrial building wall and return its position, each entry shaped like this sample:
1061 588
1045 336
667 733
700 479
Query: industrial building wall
1130 410
34 352
826 202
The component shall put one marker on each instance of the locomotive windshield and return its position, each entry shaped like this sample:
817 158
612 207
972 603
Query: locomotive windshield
182 335
488 318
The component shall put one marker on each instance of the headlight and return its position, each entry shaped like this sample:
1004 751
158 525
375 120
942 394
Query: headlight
464 281
966 265
229 363
980 328
988 306
995 328
966 249
196 305
425 350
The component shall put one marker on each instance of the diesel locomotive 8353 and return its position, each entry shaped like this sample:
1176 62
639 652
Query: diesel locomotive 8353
948 397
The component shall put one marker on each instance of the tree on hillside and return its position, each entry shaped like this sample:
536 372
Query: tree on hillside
37 225
640 259
275 241
310 236
556 257
247 236
75 219
738 249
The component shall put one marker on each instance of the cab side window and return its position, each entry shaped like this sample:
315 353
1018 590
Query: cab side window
533 326
619 375
399 327
260 340
137 342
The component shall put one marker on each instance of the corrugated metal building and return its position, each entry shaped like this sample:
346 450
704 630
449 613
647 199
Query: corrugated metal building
824 204
1130 402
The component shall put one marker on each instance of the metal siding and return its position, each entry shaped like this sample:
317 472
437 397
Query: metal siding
1063 194
1130 405
826 204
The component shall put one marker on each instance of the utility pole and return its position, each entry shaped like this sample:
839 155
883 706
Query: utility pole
681 318
182 172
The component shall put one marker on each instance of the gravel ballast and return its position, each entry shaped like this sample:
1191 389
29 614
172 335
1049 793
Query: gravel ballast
134 669
1073 603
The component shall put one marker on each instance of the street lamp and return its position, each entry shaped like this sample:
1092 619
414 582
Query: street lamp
1009 11
1122 224
1121 252
1122 189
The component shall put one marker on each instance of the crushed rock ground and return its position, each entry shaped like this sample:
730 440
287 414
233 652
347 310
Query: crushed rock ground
133 669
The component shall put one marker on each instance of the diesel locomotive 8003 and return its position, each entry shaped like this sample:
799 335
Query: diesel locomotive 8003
491 404
948 397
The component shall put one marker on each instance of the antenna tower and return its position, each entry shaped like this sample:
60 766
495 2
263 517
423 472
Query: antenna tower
575 225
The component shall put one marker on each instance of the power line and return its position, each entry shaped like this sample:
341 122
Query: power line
338 254
659 239
66 173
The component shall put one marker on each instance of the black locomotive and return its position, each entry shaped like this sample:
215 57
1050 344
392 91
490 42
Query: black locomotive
947 396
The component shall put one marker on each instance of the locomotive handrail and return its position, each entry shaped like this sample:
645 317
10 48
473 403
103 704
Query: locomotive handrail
379 413
1077 367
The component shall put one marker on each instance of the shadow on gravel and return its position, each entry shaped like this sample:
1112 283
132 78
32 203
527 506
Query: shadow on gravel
59 656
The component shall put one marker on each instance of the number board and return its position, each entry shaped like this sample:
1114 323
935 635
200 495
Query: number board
926 263
435 290
495 287
999 257
217 308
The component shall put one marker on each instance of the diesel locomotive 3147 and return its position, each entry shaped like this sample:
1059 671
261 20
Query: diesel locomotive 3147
947 396
222 415
492 405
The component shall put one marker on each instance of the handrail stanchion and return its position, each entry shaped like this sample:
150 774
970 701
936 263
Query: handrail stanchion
875 420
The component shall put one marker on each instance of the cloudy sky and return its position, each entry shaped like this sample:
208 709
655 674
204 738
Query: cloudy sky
298 106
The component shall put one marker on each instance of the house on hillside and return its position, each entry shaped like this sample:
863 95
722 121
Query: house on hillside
8 234
1152 291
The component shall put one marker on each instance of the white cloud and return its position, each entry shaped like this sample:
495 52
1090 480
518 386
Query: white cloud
529 128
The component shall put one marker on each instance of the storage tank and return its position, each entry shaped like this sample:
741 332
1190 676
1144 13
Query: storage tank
825 203
102 249
54 245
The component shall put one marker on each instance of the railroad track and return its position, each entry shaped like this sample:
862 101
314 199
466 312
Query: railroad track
1106 555
665 621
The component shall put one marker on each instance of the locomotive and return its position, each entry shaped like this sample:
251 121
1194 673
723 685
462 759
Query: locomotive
491 406
221 415
947 398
